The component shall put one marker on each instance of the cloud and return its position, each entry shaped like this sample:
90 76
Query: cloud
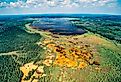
56 3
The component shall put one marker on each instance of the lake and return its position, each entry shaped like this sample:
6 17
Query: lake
61 26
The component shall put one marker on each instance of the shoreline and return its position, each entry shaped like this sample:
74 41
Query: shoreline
104 41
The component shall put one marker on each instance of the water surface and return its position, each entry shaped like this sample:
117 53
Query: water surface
62 26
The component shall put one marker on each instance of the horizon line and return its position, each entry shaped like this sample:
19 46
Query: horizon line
61 13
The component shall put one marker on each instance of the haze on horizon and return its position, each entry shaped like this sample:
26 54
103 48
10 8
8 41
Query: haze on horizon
60 6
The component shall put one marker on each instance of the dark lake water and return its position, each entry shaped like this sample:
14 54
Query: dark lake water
61 26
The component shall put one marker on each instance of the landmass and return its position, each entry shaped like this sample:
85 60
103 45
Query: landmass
33 55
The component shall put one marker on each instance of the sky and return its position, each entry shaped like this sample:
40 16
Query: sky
60 6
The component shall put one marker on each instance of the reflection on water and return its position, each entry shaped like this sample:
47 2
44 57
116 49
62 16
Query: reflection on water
60 26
